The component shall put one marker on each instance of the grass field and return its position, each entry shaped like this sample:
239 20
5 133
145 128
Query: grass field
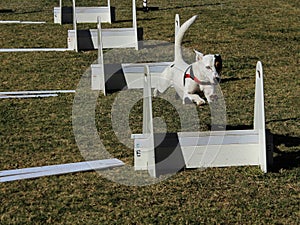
37 132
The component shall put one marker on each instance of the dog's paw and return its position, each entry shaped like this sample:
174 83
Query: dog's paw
213 98
200 103
155 93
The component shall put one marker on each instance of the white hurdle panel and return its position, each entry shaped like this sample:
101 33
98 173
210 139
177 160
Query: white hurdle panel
110 38
203 149
84 14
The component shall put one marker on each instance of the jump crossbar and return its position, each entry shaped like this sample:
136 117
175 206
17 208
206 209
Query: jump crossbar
202 149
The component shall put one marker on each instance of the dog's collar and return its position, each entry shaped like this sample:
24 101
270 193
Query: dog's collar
189 73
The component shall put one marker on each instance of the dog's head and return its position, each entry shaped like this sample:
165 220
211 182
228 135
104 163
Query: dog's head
211 66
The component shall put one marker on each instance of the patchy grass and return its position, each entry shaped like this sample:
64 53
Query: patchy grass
36 132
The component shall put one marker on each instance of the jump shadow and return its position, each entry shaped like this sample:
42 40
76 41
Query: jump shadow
191 6
130 20
231 79
286 160
155 8
147 9
6 11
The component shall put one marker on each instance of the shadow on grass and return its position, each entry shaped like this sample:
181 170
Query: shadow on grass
156 8
231 79
147 9
286 160
130 20
6 11
192 6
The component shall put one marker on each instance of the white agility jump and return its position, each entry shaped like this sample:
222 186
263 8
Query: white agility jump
133 73
110 38
83 14
202 149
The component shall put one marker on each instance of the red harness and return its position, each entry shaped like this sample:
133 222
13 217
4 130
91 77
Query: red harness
190 75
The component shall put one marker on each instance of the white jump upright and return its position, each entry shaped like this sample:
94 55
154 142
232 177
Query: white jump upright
84 14
97 70
203 149
111 37
177 24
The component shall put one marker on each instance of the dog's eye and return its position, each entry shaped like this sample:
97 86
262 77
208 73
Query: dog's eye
208 67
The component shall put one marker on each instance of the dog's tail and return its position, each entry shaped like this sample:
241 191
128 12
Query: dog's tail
179 37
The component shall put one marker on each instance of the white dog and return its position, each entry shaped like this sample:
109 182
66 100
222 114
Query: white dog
188 80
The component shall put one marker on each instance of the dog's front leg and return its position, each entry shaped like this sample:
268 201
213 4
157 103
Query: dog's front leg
189 96
210 94
193 98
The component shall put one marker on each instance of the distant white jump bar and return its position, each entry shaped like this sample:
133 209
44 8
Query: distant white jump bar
33 94
35 49
21 22
37 92
28 96
35 172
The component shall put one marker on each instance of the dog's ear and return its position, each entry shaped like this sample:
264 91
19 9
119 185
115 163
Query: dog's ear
199 55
